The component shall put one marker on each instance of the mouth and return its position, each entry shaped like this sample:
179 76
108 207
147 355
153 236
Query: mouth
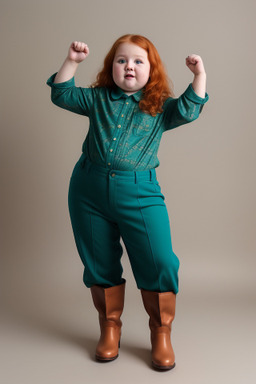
129 76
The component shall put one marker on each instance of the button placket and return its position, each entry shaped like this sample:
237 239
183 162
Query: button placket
117 134
128 112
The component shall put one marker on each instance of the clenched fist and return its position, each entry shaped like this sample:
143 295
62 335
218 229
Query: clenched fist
195 64
78 51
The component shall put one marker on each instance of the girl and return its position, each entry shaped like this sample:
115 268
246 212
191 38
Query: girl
114 191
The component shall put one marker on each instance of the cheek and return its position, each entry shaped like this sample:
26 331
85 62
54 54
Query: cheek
116 71
145 75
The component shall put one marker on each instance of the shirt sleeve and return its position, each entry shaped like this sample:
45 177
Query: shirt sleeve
67 96
183 109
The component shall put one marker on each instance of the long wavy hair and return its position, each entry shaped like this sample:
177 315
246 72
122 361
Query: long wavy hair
158 88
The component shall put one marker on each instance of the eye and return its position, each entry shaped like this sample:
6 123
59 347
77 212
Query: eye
138 61
121 61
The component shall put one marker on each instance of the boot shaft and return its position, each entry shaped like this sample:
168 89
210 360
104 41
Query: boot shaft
160 307
109 302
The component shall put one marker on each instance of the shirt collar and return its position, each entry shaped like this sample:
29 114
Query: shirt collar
118 93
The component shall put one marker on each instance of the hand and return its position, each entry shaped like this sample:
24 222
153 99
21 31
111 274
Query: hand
78 51
195 64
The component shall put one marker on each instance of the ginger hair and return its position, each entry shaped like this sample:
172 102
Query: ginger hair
158 87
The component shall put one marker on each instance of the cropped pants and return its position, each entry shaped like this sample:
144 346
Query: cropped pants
106 205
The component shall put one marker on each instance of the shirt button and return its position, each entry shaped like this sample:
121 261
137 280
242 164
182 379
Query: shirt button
114 138
119 126
109 163
122 116
111 150
126 103
113 174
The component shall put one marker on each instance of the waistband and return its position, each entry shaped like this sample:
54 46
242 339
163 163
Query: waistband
147 174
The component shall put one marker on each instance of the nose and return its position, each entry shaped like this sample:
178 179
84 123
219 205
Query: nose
129 66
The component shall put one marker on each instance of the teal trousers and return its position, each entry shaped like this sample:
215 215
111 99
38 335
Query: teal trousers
106 205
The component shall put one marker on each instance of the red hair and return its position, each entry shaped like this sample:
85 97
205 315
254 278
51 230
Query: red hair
157 89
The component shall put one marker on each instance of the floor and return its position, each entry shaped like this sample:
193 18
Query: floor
49 333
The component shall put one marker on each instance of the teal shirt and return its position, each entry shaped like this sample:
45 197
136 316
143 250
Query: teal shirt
120 135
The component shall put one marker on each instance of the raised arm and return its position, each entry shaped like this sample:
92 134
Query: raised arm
195 64
64 92
189 105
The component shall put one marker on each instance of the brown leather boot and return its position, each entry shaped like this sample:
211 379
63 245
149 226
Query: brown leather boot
109 302
160 307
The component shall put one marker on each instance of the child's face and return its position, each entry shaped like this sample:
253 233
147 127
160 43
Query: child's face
131 68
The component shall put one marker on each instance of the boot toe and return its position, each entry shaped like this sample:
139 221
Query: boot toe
163 366
106 357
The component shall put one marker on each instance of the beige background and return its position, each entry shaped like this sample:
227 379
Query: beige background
207 173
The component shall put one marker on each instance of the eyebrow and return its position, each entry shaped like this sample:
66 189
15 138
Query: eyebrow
123 55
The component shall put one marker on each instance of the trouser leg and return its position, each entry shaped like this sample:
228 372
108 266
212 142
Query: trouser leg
97 237
147 237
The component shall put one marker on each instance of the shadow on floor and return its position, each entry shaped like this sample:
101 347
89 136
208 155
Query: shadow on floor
38 324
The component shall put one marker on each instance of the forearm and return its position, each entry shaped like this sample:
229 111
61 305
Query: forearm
199 84
67 71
